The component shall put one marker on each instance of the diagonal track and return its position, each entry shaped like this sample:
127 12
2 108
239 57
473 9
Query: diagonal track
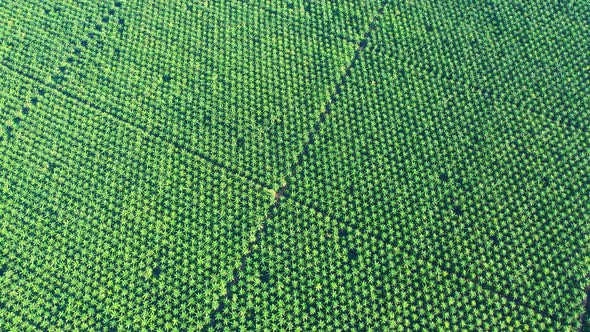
70 53
305 152
357 55
281 195
114 114
153 134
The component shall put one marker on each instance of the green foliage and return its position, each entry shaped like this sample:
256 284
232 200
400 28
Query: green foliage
297 165
232 81
312 273
445 143
105 227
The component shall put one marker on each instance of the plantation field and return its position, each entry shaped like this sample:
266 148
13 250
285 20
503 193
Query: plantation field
294 165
